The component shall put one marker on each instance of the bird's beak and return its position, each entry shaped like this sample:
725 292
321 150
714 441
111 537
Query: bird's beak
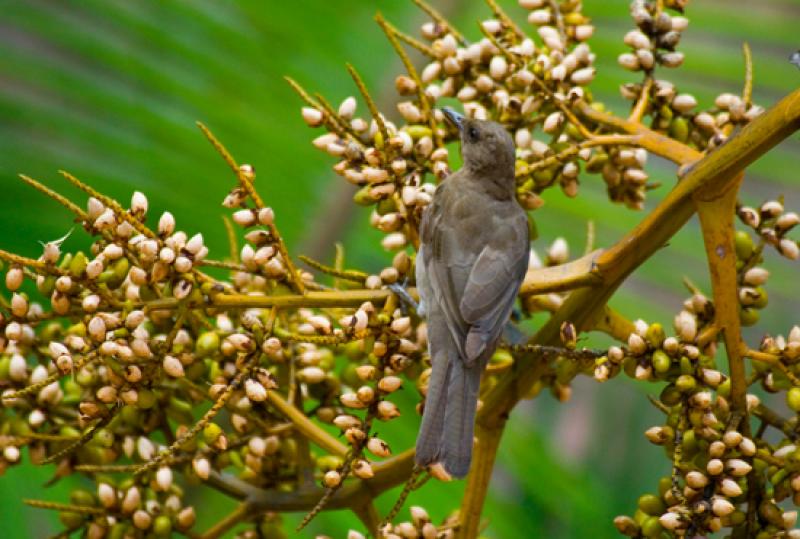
454 118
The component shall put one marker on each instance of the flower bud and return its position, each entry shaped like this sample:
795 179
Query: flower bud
244 218
362 469
553 122
313 117
738 467
722 507
670 520
378 447
255 391
107 495
351 400
138 204
164 478
14 278
186 518
730 488
696 480
348 108
332 478
173 367
142 519
202 467
387 410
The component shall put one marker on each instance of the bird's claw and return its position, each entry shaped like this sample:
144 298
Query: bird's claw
406 300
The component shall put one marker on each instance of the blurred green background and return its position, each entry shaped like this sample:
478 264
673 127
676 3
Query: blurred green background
110 91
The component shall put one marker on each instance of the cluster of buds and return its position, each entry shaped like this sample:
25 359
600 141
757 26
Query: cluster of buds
771 223
420 526
706 495
556 253
120 362
654 41
651 355
137 508
388 163
622 169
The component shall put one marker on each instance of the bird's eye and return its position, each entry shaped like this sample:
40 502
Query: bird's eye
472 133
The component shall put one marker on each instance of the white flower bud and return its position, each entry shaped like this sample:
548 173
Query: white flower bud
539 17
431 72
378 447
789 249
351 400
722 507
311 375
637 40
553 122
670 520
348 108
686 326
362 469
559 72
51 252
730 488
18 368
14 278
94 208
244 218
11 453
107 495
19 305
394 241
583 32
583 76
332 478
696 480
672 59
387 410
173 367
255 391
138 203
164 478
131 501
145 448
628 61
202 467
105 220
498 67
182 264
266 216
97 328
467 93
738 467
679 24
684 102
551 38
313 117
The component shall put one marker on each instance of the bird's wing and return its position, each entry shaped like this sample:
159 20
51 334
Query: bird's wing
492 286
446 269
474 289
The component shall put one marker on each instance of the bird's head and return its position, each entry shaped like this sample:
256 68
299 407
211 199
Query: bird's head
486 146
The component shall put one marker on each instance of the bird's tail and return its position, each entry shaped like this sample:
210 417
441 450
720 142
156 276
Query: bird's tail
448 421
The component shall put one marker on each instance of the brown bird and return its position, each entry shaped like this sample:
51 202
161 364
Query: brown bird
473 256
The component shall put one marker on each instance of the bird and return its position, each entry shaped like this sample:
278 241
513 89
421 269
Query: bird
472 259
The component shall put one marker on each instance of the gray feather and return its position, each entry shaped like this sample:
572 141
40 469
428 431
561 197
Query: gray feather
471 263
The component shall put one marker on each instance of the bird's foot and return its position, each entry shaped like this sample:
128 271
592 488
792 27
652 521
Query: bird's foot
406 300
